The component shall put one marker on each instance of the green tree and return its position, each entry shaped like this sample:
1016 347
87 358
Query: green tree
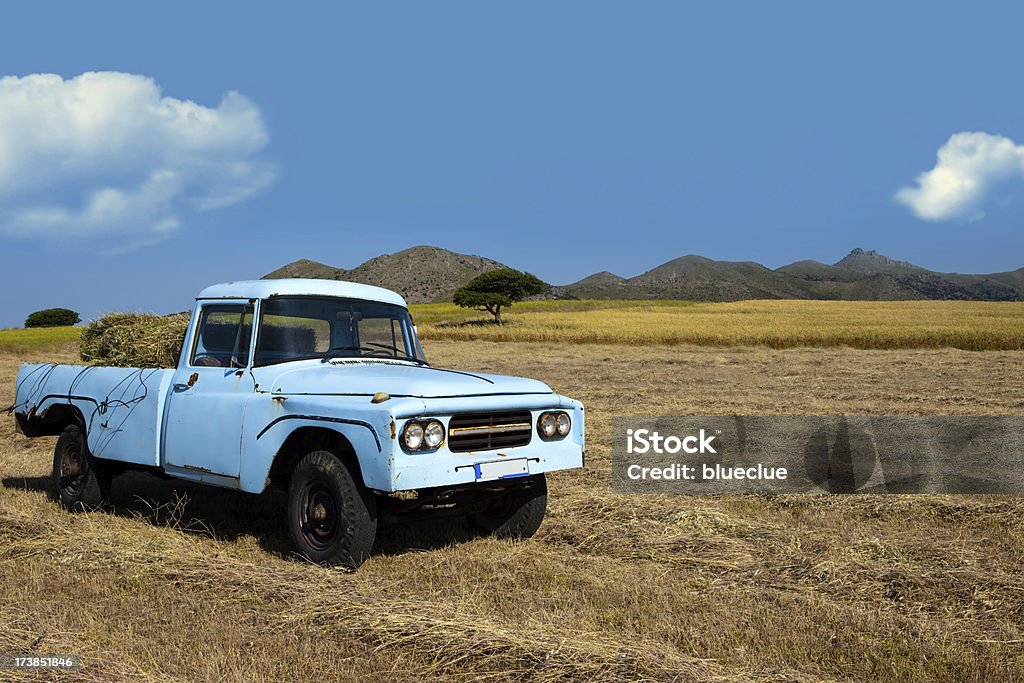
494 289
52 317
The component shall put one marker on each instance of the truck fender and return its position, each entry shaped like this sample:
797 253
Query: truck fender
52 420
282 444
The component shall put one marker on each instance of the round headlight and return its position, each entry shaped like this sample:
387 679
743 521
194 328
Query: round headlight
433 434
548 425
563 423
412 435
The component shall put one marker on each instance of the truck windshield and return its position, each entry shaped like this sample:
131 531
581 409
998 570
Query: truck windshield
303 327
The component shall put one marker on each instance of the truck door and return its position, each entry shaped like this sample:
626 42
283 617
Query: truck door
203 424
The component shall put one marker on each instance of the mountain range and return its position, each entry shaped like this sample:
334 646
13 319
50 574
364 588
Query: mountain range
424 274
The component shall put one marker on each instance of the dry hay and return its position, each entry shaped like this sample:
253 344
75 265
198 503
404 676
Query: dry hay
134 340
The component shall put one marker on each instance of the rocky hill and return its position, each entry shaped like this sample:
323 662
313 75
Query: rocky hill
420 274
870 275
871 261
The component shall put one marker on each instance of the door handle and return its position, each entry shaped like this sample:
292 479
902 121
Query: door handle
193 378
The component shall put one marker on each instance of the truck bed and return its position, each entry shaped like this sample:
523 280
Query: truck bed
122 408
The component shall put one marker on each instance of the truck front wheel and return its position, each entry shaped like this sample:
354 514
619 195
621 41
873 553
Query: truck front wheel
80 481
332 517
516 513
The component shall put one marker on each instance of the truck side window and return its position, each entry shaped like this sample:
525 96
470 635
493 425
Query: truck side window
222 336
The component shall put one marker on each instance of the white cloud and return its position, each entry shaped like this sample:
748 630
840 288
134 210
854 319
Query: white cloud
969 168
105 156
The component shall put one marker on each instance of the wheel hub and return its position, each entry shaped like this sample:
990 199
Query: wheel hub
320 520
71 470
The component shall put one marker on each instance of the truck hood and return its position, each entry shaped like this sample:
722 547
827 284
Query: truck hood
397 379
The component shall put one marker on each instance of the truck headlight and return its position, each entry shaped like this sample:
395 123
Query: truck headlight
423 435
555 423
563 423
433 434
547 425
412 436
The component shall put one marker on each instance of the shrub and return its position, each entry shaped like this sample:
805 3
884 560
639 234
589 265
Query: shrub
52 317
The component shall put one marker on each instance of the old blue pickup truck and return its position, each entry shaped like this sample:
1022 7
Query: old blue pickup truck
321 388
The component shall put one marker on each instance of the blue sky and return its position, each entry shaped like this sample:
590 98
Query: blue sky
561 138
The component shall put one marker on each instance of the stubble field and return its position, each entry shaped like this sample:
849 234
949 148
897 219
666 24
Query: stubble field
182 583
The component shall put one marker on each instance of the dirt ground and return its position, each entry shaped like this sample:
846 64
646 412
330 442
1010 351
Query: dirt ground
179 582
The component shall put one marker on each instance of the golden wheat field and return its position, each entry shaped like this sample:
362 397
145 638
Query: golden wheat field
967 325
182 583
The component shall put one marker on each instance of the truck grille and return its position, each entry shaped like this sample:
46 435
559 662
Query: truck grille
488 431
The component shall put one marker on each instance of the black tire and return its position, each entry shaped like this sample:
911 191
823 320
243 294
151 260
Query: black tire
517 513
332 517
80 481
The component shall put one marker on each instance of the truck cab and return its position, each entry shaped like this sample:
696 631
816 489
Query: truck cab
321 388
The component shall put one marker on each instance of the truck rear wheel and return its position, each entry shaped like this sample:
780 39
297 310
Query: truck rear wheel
516 513
332 517
80 481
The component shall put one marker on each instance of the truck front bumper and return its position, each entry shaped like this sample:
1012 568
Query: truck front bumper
413 471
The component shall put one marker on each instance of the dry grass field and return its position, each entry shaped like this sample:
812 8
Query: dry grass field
182 583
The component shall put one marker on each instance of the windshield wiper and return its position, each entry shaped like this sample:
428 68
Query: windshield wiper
369 347
395 352
336 352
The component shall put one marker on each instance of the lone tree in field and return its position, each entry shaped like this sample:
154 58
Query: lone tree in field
496 288
52 317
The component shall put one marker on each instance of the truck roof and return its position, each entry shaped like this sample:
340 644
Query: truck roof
264 289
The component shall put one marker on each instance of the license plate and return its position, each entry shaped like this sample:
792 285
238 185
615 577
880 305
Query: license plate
502 469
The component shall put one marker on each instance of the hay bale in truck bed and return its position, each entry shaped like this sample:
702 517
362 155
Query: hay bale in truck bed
134 340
